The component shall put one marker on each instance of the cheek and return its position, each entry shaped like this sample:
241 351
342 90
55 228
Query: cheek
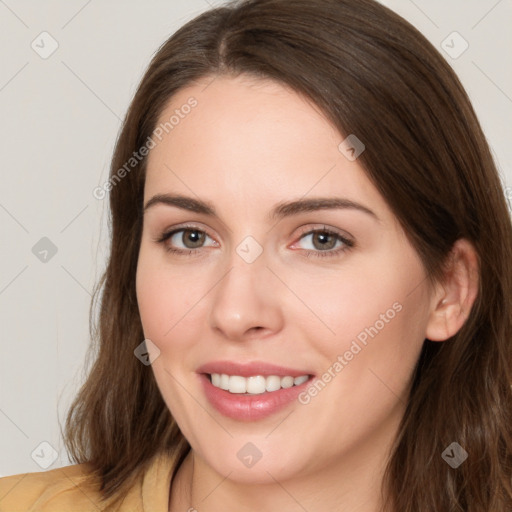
378 359
373 314
169 298
342 303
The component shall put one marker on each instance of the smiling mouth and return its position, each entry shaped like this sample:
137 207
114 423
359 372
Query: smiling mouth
256 384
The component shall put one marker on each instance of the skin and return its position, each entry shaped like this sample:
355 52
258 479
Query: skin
248 145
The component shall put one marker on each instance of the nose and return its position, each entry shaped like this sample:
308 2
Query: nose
246 302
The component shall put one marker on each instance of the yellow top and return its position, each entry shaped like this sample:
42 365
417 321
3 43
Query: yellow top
67 490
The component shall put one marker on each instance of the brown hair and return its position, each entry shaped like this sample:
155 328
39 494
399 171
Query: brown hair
372 74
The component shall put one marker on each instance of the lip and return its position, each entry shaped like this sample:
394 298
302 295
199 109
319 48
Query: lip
251 368
245 407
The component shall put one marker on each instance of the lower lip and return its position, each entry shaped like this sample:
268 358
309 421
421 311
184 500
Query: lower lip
245 407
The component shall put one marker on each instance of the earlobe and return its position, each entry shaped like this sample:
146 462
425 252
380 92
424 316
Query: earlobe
454 297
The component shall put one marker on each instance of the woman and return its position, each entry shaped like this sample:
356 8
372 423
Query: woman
307 301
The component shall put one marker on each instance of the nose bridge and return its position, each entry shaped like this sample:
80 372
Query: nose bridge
247 263
244 298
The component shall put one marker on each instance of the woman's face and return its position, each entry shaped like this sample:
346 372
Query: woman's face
265 274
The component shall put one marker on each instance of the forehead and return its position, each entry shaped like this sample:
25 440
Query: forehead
252 139
241 116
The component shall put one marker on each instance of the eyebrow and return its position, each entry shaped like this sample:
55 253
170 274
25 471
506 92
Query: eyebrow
280 211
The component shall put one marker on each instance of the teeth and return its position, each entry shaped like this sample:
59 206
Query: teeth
256 384
224 382
237 384
273 383
299 380
287 382
216 379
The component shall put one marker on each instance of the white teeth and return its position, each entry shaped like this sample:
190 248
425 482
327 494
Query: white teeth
299 380
256 384
237 384
287 382
216 380
224 381
273 383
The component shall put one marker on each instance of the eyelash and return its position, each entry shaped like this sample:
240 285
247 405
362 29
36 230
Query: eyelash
348 244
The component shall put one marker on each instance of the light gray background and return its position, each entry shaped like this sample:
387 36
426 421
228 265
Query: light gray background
59 118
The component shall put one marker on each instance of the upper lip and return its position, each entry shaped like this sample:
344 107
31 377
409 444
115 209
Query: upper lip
249 369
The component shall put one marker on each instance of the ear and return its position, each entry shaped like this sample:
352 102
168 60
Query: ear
454 297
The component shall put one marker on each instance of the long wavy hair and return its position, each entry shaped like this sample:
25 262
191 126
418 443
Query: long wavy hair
373 74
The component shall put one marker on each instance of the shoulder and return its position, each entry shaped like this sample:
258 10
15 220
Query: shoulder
62 489
76 488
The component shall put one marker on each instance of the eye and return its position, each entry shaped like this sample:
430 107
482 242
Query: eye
186 239
325 242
